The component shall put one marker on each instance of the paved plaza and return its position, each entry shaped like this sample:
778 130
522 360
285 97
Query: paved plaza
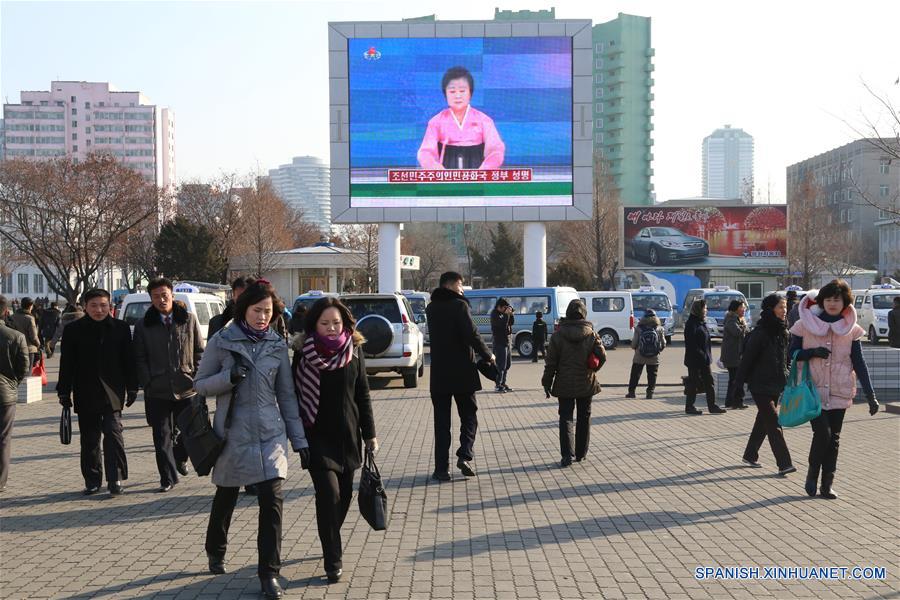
660 495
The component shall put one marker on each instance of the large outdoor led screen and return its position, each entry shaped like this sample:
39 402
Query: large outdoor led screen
460 122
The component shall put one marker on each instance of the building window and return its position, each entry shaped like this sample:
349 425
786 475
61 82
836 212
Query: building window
750 289
22 283
74 123
598 107
44 103
87 129
884 190
73 99
843 215
849 215
38 281
598 63
599 92
75 148
74 136
834 197
87 143
6 284
598 123
74 111
598 47
884 166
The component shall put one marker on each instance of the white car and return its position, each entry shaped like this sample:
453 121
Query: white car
394 342
872 308
204 307
612 314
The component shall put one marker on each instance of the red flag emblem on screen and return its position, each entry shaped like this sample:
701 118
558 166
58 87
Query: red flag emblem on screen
372 54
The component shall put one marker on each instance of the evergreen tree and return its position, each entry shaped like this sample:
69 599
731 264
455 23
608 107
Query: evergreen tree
502 267
187 251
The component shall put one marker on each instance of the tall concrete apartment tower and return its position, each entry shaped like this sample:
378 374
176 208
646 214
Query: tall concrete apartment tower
76 118
728 164
623 93
305 184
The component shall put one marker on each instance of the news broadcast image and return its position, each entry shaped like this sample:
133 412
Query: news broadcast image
460 122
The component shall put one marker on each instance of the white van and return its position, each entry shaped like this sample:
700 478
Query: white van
872 307
204 307
612 314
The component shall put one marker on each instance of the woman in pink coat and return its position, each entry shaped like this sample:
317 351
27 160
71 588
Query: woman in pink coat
460 136
827 336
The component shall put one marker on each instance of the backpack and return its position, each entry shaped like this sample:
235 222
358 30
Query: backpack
649 343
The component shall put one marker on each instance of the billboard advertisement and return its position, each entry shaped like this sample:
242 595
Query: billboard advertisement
460 122
705 237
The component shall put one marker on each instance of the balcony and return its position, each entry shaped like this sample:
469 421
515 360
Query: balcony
650 81
650 52
649 67
650 96
649 126
650 112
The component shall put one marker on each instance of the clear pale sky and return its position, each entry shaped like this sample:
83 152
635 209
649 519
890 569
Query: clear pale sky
249 81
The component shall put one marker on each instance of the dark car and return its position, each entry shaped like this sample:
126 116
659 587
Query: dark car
666 244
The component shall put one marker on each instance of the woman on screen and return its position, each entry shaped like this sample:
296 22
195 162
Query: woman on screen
460 136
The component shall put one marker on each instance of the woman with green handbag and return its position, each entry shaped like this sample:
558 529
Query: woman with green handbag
827 336
764 365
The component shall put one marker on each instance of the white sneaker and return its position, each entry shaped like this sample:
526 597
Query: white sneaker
750 463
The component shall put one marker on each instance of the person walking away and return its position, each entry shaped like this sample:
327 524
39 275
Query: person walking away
648 342
72 313
168 347
502 320
49 322
791 297
765 365
454 343
894 324
23 321
246 368
827 336
221 320
569 376
735 331
330 376
697 359
538 337
14 367
97 368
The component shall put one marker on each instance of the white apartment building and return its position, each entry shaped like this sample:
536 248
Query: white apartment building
305 184
728 164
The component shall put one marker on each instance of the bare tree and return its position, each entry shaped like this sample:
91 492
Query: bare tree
135 256
363 239
264 228
303 233
67 217
476 240
596 242
808 252
429 242
216 205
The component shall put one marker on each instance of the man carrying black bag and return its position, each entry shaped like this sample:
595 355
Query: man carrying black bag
98 368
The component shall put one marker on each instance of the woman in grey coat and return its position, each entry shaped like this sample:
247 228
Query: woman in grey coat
246 368
648 342
732 348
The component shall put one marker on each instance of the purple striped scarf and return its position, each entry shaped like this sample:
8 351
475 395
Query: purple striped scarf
306 375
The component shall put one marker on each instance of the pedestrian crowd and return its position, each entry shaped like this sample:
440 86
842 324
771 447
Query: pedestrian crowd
318 405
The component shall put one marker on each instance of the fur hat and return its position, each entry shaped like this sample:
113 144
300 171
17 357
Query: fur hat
576 310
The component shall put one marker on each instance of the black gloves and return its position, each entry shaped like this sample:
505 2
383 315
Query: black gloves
130 397
304 457
821 352
65 400
547 392
873 403
238 373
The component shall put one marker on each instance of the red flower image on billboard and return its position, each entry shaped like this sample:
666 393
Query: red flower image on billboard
707 236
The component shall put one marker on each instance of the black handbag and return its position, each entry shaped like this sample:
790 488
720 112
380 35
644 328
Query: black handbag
373 502
488 369
65 426
201 442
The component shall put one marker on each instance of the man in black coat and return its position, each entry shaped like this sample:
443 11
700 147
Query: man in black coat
894 324
167 348
219 321
49 322
14 366
454 342
98 368
697 358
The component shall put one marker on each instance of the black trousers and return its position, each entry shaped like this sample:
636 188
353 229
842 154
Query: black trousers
823 451
733 396
91 426
7 416
579 435
700 380
636 370
468 427
162 413
333 494
268 533
537 346
766 426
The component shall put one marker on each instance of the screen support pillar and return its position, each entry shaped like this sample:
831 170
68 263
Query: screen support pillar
535 249
388 258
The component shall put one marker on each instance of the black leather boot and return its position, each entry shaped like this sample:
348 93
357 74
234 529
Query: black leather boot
825 491
812 477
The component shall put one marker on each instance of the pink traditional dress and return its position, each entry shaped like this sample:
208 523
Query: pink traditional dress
473 143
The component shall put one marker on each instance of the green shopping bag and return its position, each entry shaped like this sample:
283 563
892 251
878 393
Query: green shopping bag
800 402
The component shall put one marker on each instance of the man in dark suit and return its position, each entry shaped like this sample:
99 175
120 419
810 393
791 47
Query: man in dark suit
97 368
454 342
14 363
219 321
167 347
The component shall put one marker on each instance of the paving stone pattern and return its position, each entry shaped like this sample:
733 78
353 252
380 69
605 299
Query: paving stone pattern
660 494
